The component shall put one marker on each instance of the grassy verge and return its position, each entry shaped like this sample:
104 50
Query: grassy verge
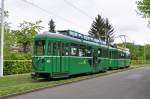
14 84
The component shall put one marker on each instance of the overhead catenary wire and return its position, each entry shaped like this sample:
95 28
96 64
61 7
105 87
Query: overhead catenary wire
52 13
78 9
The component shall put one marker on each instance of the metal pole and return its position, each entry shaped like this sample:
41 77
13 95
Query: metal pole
125 41
144 53
2 38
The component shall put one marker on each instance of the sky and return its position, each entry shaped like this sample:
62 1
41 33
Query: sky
121 14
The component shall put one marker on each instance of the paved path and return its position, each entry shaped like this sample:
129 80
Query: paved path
131 84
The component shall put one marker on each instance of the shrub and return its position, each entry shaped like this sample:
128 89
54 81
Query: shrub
139 62
17 66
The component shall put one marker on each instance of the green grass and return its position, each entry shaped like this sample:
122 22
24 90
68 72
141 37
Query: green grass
22 82
13 84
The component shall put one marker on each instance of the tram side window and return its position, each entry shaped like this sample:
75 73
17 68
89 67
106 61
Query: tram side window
50 48
74 50
65 50
112 54
116 54
99 52
122 55
57 49
82 50
39 47
104 53
88 52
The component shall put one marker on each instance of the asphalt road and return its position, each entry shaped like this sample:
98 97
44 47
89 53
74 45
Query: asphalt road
131 84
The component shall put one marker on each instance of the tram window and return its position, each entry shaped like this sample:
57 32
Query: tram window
109 53
74 51
120 54
80 52
88 52
104 53
39 47
112 54
49 48
99 52
117 55
56 49
65 50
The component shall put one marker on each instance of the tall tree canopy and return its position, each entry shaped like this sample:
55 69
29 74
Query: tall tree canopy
51 26
102 29
24 35
144 8
109 32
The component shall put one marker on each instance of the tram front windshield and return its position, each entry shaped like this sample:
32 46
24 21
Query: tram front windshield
39 48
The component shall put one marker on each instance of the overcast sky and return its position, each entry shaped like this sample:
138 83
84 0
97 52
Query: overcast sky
121 13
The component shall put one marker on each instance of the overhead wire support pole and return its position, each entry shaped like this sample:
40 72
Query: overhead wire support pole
144 53
2 39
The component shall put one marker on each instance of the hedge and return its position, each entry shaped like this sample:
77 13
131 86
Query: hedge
140 62
24 66
17 66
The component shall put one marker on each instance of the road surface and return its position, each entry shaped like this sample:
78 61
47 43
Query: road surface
131 84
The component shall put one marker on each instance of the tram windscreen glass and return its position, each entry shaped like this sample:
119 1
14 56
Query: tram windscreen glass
39 47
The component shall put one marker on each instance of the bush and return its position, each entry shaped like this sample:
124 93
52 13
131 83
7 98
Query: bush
17 66
139 62
18 56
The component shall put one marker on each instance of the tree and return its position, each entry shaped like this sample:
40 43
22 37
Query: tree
97 28
144 8
51 26
109 30
5 13
102 29
24 36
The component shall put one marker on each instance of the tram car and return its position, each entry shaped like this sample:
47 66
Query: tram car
66 53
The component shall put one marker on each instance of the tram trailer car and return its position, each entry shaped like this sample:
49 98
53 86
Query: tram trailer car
66 53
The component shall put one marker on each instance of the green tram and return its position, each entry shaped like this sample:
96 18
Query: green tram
67 52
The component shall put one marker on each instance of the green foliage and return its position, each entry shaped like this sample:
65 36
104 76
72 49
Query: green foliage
17 67
18 56
137 51
51 26
8 41
109 32
24 36
97 28
144 8
102 29
139 62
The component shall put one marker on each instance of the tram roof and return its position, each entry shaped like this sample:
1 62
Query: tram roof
60 36
65 37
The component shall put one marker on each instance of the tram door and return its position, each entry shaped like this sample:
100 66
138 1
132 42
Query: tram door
60 62
56 59
95 60
64 57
